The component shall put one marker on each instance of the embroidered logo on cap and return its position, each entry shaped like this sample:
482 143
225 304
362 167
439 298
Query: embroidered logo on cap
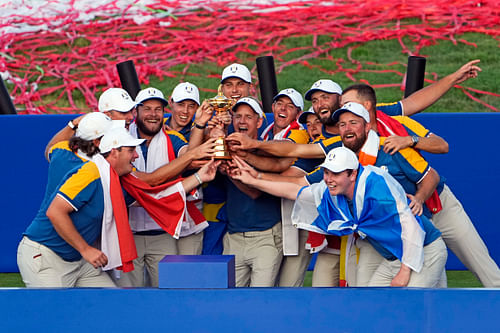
233 69
189 89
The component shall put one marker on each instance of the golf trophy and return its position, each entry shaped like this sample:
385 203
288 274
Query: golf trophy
221 105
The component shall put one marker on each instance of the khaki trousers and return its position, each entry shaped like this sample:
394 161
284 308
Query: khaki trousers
151 249
462 239
430 275
293 268
42 267
258 256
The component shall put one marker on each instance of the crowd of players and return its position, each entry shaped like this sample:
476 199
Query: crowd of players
344 179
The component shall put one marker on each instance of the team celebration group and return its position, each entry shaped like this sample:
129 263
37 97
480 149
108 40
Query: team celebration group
138 180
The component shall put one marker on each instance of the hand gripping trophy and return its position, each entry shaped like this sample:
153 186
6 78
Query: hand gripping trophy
221 105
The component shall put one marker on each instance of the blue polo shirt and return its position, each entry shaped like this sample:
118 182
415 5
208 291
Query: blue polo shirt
81 188
185 131
247 214
62 160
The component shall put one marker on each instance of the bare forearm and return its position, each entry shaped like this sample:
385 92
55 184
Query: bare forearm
190 183
58 214
433 144
196 137
299 180
250 191
427 186
268 163
166 172
290 149
280 189
65 134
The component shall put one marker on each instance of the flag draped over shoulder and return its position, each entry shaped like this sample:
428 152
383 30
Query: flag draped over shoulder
166 203
117 240
380 211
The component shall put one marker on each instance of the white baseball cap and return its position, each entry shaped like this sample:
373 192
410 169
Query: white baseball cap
237 70
252 102
185 91
340 159
356 108
150 93
323 85
294 96
93 126
116 138
115 99
305 114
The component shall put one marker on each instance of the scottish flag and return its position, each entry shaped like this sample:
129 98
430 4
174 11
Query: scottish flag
379 211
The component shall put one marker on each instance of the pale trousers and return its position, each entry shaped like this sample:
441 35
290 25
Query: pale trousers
430 275
369 261
258 256
151 249
42 267
326 270
293 268
461 237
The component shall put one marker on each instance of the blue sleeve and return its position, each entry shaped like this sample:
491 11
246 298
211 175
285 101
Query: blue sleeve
177 142
391 109
331 143
81 186
315 176
307 164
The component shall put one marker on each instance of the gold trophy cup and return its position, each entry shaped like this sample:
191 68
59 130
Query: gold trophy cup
221 105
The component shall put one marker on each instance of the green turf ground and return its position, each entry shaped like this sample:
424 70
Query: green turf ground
456 279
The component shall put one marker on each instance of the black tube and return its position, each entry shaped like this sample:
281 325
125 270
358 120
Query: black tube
267 81
6 105
414 75
128 77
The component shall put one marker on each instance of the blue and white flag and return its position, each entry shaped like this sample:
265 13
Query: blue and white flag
380 210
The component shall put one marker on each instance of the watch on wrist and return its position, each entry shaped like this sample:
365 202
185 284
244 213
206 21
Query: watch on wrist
414 140
199 126
72 126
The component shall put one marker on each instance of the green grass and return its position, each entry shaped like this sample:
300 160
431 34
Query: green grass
456 279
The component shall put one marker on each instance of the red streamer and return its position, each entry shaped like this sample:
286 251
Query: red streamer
71 57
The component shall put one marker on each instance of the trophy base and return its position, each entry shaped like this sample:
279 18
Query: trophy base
222 157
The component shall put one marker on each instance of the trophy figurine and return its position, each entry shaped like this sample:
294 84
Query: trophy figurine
221 105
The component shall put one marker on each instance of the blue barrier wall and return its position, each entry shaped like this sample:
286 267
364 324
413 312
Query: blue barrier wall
250 310
470 168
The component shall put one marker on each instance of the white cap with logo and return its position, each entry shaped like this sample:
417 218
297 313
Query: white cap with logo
323 85
340 159
252 102
115 99
185 91
93 126
356 108
237 70
294 96
116 138
150 93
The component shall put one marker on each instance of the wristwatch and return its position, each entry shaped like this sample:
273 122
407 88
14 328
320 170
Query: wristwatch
414 139
200 126
72 126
